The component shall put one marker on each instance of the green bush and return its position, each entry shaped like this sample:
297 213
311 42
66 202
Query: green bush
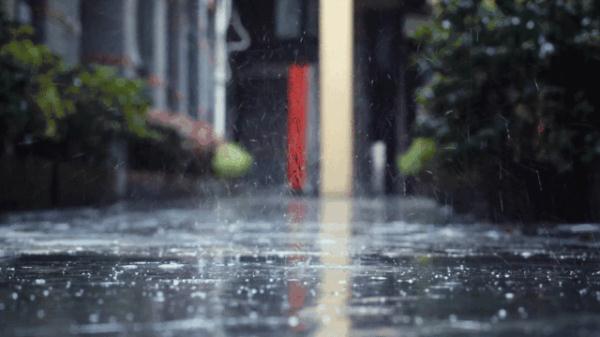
60 110
509 78
512 88
17 85
74 113
417 157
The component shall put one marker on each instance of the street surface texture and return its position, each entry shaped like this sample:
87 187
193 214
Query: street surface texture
280 266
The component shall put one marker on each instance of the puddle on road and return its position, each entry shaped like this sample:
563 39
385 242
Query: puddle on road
335 282
295 267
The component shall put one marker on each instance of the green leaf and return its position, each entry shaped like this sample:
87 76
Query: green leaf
419 154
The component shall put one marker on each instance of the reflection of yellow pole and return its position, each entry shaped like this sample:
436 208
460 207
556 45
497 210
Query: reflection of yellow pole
335 286
336 37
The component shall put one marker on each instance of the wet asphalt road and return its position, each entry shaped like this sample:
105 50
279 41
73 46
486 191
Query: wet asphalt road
277 266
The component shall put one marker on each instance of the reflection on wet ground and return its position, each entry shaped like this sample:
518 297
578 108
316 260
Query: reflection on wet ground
292 267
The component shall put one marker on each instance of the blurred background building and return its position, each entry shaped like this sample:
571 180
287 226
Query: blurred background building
169 43
251 70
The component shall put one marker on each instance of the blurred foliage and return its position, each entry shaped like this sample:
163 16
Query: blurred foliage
510 89
16 83
168 153
413 161
512 80
65 111
231 161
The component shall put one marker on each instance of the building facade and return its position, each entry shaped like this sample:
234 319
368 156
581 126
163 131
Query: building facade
250 68
169 43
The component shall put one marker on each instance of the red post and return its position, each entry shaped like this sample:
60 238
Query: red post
297 105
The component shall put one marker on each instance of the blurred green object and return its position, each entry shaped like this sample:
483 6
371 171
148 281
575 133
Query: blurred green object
506 84
231 161
63 111
420 152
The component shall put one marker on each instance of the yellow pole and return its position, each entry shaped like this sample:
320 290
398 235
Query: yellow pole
336 105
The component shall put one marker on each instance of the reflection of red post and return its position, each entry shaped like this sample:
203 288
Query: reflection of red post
296 291
297 104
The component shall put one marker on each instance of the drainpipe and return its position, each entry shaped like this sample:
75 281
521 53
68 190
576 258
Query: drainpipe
222 17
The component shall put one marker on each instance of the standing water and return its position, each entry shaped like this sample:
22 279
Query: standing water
292 267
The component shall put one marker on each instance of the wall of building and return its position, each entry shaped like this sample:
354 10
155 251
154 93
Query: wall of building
167 42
